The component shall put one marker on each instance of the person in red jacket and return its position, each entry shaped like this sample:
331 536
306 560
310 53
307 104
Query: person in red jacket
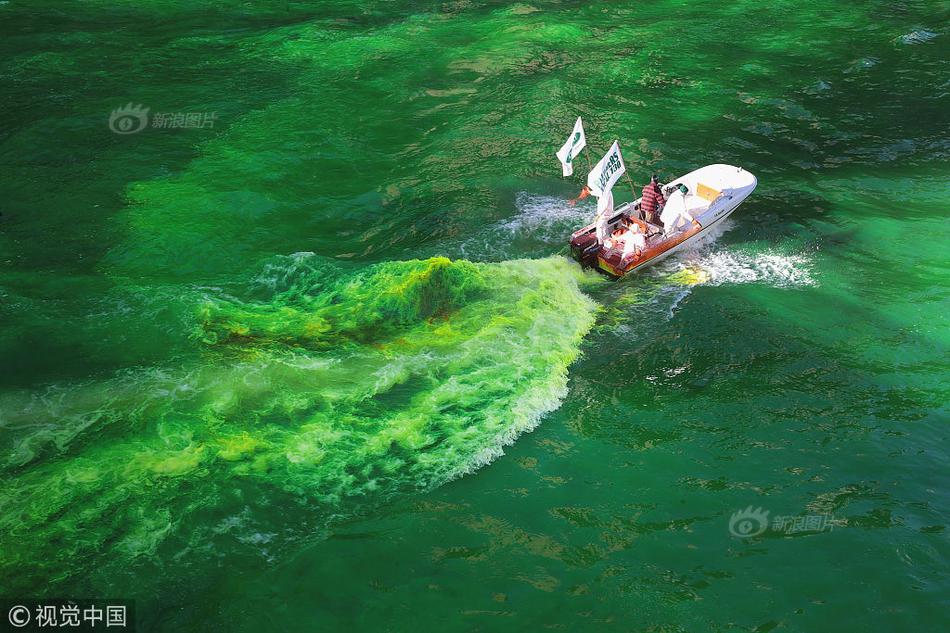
652 202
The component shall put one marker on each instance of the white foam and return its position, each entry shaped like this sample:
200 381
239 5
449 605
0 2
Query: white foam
918 36
715 265
737 267
542 223
708 264
541 215
862 64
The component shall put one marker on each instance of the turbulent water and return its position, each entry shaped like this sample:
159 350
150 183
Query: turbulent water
329 388
275 369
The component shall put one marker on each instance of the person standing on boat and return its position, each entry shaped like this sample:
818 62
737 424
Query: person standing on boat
652 201
676 214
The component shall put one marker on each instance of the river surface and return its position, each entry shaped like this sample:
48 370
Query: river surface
305 352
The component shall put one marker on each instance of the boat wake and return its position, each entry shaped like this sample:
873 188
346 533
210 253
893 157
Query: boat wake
632 307
545 217
729 266
539 227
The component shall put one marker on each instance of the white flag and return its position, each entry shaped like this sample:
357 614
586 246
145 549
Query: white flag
605 173
575 143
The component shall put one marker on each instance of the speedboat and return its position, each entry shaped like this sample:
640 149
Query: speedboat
711 194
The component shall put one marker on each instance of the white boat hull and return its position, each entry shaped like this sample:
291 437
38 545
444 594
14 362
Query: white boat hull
716 191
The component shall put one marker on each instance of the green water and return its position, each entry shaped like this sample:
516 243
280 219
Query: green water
280 373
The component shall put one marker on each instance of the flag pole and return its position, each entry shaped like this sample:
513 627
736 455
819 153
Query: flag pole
626 172
633 187
583 195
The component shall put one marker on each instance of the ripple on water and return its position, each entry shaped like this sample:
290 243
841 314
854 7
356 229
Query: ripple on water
542 225
919 36
862 64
